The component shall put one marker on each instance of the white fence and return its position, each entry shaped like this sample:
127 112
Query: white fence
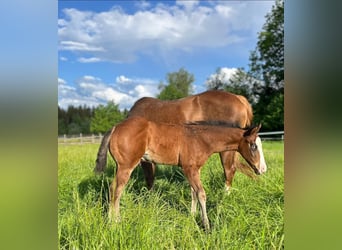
79 139
272 136
86 139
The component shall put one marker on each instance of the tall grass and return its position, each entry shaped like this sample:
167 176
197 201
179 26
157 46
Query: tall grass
251 217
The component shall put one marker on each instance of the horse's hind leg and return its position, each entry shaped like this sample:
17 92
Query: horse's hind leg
228 159
149 171
116 188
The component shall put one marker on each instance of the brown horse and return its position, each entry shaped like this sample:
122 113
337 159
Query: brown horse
188 146
211 105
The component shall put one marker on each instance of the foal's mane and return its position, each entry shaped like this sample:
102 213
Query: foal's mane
217 123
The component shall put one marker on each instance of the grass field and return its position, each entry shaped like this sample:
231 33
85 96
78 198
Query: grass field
250 217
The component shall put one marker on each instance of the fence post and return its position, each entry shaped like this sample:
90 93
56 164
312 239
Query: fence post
93 138
64 138
81 138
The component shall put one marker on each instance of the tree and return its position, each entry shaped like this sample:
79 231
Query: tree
267 70
62 125
218 80
105 117
74 120
238 83
234 80
179 85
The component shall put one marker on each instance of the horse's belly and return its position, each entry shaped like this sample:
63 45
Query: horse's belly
165 158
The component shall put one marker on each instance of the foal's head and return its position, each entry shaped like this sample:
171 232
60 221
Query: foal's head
251 149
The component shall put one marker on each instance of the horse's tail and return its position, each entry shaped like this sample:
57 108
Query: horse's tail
101 160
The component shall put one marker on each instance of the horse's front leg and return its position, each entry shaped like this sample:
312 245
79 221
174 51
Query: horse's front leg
228 160
193 201
193 176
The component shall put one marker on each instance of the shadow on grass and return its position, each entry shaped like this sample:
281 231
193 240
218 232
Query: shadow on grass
97 186
170 186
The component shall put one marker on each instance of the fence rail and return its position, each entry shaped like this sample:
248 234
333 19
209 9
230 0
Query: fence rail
273 136
79 139
87 139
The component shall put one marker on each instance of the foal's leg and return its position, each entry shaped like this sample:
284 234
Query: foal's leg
228 160
116 188
149 171
193 177
193 201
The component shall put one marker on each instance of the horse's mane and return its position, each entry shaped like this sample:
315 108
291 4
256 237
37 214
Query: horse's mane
216 123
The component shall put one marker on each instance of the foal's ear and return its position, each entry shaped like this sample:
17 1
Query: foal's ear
252 130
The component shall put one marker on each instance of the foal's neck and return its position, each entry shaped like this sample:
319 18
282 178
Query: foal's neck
221 138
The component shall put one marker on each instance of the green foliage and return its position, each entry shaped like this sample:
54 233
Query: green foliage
239 84
179 85
267 68
74 120
251 217
263 84
105 117
273 115
86 120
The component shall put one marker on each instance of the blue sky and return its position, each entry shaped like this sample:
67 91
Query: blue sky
121 50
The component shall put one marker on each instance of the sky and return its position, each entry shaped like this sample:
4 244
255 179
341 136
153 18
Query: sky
121 51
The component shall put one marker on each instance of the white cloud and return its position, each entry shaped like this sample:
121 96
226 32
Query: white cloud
89 59
78 46
89 78
224 74
117 36
122 79
227 73
225 11
144 90
61 81
92 91
109 94
88 86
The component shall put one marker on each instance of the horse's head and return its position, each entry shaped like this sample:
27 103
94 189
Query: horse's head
251 150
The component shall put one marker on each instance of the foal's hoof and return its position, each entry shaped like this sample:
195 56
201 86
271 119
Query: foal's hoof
229 190
112 218
206 228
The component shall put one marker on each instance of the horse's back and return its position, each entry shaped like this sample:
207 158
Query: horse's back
142 106
157 110
209 105
225 106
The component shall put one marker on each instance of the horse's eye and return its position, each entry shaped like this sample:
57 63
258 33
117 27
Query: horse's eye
253 147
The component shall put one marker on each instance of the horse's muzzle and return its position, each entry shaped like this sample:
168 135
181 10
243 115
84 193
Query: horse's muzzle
256 171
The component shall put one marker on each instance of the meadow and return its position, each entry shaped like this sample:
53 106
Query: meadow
250 217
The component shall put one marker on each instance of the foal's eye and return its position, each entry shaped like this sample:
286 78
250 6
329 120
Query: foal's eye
253 147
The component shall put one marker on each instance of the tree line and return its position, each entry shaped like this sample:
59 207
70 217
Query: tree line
87 120
262 84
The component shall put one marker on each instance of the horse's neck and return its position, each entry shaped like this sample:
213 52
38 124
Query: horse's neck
222 139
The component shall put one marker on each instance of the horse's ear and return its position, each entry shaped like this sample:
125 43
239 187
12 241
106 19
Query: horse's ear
252 130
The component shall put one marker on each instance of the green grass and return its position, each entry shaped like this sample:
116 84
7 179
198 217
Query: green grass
251 217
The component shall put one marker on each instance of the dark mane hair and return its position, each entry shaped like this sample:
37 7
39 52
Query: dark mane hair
216 123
